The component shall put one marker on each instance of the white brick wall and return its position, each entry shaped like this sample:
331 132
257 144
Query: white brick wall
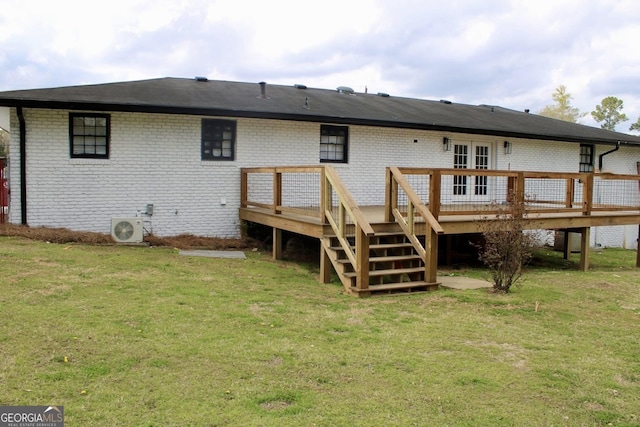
155 158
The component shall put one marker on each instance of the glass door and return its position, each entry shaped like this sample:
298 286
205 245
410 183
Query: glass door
471 156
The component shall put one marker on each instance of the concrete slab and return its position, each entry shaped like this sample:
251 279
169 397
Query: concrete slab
215 254
461 282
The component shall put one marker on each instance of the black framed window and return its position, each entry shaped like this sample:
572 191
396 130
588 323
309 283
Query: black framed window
218 139
482 162
89 135
460 161
334 144
586 158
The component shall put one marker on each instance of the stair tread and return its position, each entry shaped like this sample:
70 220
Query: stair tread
378 246
394 271
392 286
408 257
375 234
390 245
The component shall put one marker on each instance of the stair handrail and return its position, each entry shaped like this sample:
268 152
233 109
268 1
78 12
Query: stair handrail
358 255
415 203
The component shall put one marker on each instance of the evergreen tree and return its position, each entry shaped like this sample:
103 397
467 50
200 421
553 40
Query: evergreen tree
609 112
562 109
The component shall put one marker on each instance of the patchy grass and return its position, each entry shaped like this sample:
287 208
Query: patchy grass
140 336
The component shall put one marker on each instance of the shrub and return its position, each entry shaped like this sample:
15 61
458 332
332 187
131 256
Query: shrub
507 245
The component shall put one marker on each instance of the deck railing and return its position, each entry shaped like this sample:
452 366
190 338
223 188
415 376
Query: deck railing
616 192
398 188
289 189
315 191
341 213
481 191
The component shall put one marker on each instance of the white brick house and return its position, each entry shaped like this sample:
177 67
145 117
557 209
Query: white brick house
153 148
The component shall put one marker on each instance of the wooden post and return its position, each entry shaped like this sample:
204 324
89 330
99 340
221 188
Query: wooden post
587 185
244 188
277 243
342 220
391 196
362 259
566 249
410 217
431 256
325 266
434 193
519 195
323 196
277 191
511 188
570 190
584 248
638 248
327 199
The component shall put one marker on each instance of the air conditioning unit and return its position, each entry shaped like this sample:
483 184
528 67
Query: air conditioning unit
127 230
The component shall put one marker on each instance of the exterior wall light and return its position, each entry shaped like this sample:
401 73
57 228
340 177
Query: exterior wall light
507 147
446 144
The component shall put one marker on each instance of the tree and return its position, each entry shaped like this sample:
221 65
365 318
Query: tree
636 125
609 112
562 109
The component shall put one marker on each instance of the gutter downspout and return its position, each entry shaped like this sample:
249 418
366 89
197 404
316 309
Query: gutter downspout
600 160
23 165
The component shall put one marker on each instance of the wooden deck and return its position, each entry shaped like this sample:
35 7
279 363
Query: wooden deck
452 224
364 244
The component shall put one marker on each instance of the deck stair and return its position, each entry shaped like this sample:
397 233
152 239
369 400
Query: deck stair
394 265
314 201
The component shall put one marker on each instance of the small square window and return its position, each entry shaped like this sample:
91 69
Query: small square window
218 139
334 143
89 135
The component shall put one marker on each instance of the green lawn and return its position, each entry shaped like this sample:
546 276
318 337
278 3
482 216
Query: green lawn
131 336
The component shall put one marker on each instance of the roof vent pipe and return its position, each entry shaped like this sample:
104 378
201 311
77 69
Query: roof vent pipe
263 90
600 161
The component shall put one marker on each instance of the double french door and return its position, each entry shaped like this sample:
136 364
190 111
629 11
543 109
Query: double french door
471 156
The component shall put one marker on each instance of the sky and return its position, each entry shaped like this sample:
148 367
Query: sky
509 53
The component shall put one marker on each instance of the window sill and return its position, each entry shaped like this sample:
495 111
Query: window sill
217 162
100 162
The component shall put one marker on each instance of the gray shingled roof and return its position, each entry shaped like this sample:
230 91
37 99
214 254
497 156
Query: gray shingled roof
235 99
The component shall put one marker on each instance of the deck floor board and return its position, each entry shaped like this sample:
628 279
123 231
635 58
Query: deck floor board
452 224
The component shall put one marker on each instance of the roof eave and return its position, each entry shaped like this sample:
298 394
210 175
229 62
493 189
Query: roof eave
159 109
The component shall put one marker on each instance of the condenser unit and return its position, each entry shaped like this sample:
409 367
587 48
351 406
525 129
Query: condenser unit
127 230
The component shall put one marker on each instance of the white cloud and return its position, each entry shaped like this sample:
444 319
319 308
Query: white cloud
507 52
280 27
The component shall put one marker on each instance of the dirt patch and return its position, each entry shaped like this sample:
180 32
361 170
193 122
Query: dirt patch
605 285
593 406
63 235
189 241
276 361
54 235
275 405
